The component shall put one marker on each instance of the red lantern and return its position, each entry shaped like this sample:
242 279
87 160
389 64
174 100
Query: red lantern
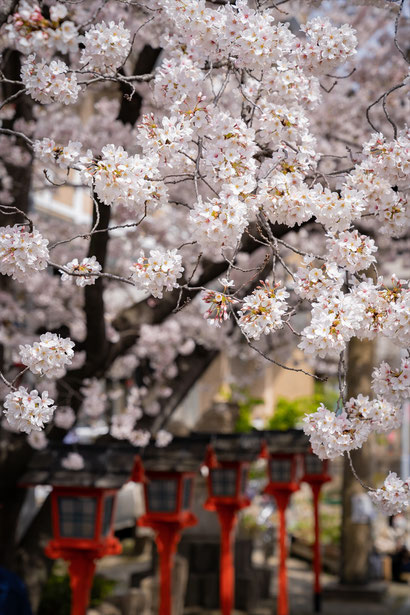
227 481
316 474
168 497
284 470
83 532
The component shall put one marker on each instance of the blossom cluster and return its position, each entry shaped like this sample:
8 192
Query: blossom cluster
311 282
392 384
390 159
84 273
327 46
386 205
219 222
335 319
28 411
384 309
262 311
73 461
332 434
394 496
161 269
219 304
64 156
48 357
287 199
165 139
351 250
120 179
22 252
29 31
47 83
64 417
94 398
106 47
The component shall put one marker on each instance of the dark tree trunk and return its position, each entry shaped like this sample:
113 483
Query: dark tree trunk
356 537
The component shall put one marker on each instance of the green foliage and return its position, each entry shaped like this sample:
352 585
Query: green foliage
56 596
289 413
246 404
330 526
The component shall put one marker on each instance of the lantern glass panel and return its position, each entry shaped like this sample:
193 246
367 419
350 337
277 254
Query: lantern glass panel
186 493
77 516
313 465
107 515
162 495
244 479
223 482
281 470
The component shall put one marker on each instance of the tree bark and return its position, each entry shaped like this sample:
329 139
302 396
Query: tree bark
356 537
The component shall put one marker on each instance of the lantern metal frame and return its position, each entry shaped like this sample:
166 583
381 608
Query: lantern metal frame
180 508
101 496
295 472
239 498
313 477
81 552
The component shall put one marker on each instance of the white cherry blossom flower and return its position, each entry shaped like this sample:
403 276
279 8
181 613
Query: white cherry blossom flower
163 438
159 271
394 496
73 461
88 265
28 411
21 252
106 47
48 357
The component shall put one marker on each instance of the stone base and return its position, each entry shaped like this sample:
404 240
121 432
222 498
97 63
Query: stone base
374 591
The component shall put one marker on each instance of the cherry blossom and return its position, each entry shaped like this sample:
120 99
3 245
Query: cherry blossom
219 221
48 357
64 156
37 440
95 398
106 47
126 180
22 252
64 417
29 31
160 270
335 320
140 437
392 384
311 282
394 496
262 311
26 411
48 83
331 435
351 250
247 154
88 265
163 438
73 461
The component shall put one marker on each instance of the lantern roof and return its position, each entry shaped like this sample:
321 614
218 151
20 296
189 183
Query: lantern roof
105 467
108 465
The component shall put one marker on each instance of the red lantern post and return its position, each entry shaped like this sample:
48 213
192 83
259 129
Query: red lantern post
226 488
168 497
83 532
283 481
316 474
